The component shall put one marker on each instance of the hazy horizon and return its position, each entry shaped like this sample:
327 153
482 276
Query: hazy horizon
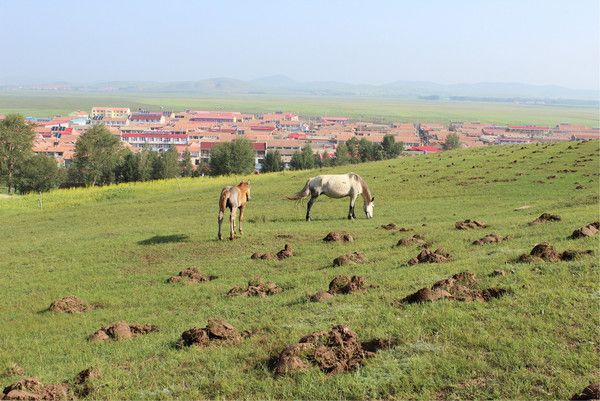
460 42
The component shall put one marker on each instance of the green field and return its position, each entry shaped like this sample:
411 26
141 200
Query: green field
359 108
115 246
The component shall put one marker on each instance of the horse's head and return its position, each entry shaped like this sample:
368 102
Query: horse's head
245 186
369 208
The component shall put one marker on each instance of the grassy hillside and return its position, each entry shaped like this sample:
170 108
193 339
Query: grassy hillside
359 108
116 246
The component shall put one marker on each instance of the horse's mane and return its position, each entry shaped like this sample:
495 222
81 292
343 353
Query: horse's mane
366 191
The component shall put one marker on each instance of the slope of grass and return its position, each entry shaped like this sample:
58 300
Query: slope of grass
359 108
116 246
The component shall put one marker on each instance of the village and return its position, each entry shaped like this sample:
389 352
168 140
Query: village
199 131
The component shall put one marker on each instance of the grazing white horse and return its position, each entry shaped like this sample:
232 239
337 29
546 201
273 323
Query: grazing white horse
337 186
233 198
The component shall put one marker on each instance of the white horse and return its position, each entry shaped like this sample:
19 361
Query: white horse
337 186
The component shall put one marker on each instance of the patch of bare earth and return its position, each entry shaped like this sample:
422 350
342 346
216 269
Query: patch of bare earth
469 224
13 370
591 392
416 239
33 389
586 231
350 259
490 239
545 252
460 287
70 304
121 330
257 287
334 236
429 256
191 276
217 331
83 383
545 218
285 253
341 285
333 351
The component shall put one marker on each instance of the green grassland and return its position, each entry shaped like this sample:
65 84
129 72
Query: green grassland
359 108
538 342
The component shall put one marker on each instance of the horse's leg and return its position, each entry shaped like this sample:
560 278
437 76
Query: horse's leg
312 200
232 223
354 206
220 220
241 218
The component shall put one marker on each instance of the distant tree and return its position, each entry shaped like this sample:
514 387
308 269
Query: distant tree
452 142
308 157
16 139
326 160
236 157
39 174
169 165
391 149
273 162
353 150
365 150
187 168
128 168
146 161
341 155
97 153
317 160
297 162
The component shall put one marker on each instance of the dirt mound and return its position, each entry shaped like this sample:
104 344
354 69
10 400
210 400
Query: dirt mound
460 287
320 296
545 252
469 224
285 253
70 305
191 275
347 284
416 239
591 392
13 370
83 381
389 226
216 331
545 217
350 259
338 237
429 256
122 331
33 389
335 351
256 288
264 256
489 239
586 231
499 273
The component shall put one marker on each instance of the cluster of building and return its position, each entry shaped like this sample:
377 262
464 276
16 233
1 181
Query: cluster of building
199 131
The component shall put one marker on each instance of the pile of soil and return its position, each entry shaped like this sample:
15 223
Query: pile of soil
489 239
320 296
334 351
191 275
14 370
70 305
429 256
338 237
122 331
216 331
350 259
459 287
347 285
285 253
32 389
416 239
256 288
83 382
545 252
545 217
389 226
591 392
499 273
586 231
468 224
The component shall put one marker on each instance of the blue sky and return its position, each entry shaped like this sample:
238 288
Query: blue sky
453 41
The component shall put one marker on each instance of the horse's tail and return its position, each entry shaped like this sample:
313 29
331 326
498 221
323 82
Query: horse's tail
302 194
223 199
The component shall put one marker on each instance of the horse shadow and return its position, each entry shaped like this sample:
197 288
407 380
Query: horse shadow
164 239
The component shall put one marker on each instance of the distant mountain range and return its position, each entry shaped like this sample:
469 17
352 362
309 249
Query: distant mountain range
283 85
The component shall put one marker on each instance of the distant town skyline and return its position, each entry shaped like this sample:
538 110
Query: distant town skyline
533 42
